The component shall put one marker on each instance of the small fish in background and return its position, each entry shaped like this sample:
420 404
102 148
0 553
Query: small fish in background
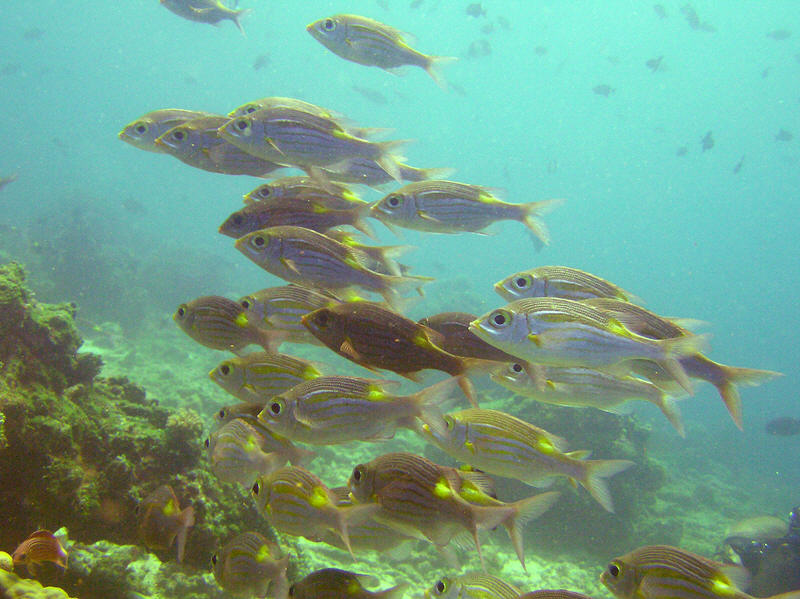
603 89
6 180
205 11
779 34
681 151
540 50
33 34
479 49
707 142
660 11
332 583
261 62
784 135
11 68
372 43
472 585
161 520
372 95
765 73
504 23
475 10
39 548
738 167
785 426
655 64
250 565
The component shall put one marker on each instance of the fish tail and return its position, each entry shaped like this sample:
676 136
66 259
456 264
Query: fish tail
596 471
677 347
669 407
423 174
270 340
428 403
728 390
468 389
352 515
279 587
526 510
433 66
394 287
236 18
186 522
531 217
301 457
362 225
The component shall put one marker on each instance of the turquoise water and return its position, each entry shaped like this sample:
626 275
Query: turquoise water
685 233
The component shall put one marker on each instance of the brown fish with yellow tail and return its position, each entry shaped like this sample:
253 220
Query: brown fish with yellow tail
161 520
332 583
457 339
39 548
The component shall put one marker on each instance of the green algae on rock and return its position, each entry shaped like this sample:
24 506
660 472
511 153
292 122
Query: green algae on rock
13 587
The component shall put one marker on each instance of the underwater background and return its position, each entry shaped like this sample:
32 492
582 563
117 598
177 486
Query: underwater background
547 100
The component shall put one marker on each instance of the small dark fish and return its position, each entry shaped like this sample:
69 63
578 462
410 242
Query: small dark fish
6 180
479 48
332 583
504 23
476 10
785 426
738 166
134 206
161 520
707 142
39 548
779 34
691 16
784 135
33 34
540 50
682 151
660 11
10 69
765 73
654 64
261 61
603 90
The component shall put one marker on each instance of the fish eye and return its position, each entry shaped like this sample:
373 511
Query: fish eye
275 407
440 587
523 281
245 303
238 219
259 241
214 560
256 488
242 125
178 135
500 319
358 472
250 108
449 423
329 25
181 311
516 368
140 128
207 442
323 318
264 192
223 413
393 201
291 591
613 569
224 370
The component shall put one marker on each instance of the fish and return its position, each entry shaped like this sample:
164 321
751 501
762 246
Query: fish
258 376
291 189
603 89
738 166
332 583
377 338
297 138
298 213
279 310
681 151
206 11
784 426
371 43
784 135
369 172
261 61
372 95
331 410
475 9
696 365
380 258
248 411
760 528
551 331
707 142
309 258
457 339
161 520
779 34
250 564
662 571
553 594
559 281
220 323
479 48
240 451
448 207
144 131
660 11
33 34
284 102
501 444
426 500
198 144
297 503
41 547
472 585
584 387
6 180
654 64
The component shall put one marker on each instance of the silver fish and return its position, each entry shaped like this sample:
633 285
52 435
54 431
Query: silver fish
472 585
558 281
143 132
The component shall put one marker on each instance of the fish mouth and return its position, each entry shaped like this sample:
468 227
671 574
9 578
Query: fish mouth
498 286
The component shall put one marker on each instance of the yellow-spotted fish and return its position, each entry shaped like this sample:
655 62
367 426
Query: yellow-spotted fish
39 548
373 44
250 564
144 131
205 11
559 281
501 444
449 207
162 521
332 583
472 585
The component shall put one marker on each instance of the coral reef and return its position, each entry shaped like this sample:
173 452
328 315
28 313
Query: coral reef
13 587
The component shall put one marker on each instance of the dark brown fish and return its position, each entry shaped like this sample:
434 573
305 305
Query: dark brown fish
39 548
785 426
377 338
457 339
332 583
654 64
161 520
707 142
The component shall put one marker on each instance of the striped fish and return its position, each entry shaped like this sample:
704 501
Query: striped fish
143 132
281 102
584 387
426 500
371 43
559 332
289 189
724 378
161 520
457 339
39 548
206 11
559 281
241 450
250 564
336 409
219 323
664 572
368 172
448 207
331 583
501 444
297 503
246 410
380 258
472 585
306 257
198 144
